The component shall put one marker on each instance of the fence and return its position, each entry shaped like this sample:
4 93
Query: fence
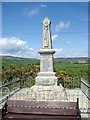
85 87
27 82
11 88
20 90
70 83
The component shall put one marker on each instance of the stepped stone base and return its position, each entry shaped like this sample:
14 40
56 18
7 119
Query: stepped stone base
41 93
44 93
46 79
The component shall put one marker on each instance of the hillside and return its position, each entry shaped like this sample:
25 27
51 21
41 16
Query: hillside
15 58
6 60
55 59
83 59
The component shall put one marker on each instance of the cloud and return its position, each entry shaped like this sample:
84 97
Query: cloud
66 41
54 37
59 50
70 53
62 25
16 47
31 12
34 10
43 5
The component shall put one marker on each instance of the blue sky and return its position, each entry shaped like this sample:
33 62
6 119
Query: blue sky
22 28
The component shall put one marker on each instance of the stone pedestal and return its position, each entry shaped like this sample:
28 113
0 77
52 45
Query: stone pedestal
46 76
46 79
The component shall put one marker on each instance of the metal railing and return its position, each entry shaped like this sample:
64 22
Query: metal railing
20 90
85 87
9 89
70 83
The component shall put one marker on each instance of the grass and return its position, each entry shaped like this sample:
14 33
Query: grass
6 62
72 69
69 67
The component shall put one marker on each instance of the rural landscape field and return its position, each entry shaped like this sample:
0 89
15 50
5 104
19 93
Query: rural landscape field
66 69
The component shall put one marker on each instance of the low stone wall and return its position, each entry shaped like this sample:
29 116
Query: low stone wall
85 87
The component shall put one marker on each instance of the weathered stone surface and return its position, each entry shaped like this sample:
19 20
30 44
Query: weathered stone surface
46 80
46 43
48 93
46 77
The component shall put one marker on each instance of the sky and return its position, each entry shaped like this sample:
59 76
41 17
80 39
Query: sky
45 0
22 28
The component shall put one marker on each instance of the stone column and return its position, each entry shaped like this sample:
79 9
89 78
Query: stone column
46 76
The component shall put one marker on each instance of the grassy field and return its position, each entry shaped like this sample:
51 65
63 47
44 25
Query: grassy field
69 68
72 68
6 62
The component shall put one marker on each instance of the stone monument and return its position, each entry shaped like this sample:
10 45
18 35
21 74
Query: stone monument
46 76
45 87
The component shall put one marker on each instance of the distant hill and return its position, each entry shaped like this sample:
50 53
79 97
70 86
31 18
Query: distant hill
6 60
16 58
72 59
55 59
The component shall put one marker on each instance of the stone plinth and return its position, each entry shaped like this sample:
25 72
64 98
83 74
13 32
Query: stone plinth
46 79
46 76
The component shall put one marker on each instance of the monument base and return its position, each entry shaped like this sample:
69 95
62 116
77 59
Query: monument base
46 79
48 93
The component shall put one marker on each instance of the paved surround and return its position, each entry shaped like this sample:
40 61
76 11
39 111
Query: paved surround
67 95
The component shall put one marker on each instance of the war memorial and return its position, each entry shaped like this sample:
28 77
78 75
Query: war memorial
45 99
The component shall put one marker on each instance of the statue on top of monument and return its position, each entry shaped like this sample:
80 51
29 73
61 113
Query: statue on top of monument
46 33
